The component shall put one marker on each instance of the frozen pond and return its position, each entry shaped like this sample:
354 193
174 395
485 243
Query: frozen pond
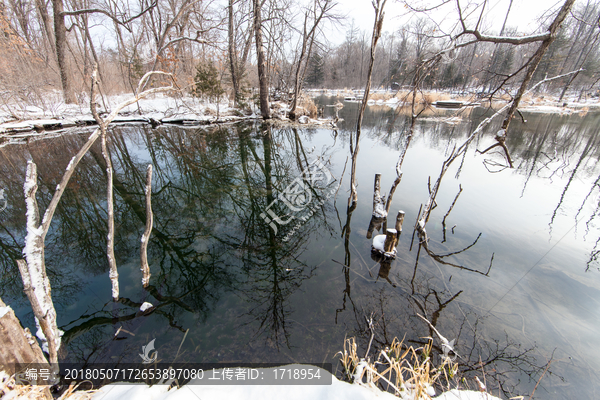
249 294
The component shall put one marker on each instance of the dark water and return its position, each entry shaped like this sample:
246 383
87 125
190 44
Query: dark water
247 294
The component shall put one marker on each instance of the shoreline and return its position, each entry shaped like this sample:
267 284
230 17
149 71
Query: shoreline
189 111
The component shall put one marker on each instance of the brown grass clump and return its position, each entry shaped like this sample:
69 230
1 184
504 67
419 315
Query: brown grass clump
403 370
306 106
9 388
422 97
381 96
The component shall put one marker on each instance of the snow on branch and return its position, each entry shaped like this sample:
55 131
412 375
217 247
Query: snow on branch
103 124
146 236
33 271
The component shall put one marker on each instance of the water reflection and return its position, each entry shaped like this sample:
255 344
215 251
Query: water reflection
221 274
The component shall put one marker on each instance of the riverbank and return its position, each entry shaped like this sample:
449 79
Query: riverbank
547 103
336 390
55 115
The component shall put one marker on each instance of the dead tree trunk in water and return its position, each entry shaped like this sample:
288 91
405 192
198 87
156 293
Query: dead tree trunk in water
378 216
379 14
399 222
102 126
148 231
33 272
110 241
377 26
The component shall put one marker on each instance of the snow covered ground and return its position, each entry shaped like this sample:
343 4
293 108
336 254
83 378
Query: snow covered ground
163 108
338 390
160 108
157 109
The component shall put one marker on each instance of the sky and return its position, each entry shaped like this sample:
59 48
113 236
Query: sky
523 14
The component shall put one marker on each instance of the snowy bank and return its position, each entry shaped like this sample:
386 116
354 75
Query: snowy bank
338 390
158 109
18 122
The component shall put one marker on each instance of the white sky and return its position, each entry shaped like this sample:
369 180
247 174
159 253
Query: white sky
523 14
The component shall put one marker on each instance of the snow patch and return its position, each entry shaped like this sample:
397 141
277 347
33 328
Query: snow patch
338 390
145 306
379 211
378 242
4 311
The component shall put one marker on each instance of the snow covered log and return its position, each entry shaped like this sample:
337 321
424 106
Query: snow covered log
399 222
17 345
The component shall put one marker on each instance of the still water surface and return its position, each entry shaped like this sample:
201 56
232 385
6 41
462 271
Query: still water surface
248 294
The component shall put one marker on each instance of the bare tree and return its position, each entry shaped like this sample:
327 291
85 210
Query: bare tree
60 37
320 9
262 66
378 5
237 64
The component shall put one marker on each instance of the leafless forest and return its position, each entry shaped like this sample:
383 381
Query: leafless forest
284 46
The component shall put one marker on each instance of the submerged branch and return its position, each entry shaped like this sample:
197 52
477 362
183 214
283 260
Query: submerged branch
146 236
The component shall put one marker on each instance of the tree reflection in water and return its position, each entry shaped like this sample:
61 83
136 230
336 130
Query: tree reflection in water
244 293
210 187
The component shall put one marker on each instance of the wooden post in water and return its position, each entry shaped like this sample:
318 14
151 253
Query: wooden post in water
399 222
390 241
374 224
379 215
376 191
146 236
378 201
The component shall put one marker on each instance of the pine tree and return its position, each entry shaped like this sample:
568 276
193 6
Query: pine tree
316 70
207 82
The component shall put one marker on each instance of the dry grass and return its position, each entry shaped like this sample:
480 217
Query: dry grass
402 370
10 389
381 96
306 106
423 97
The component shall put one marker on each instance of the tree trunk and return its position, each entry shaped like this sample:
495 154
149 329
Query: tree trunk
42 10
232 55
379 14
298 69
262 68
60 36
